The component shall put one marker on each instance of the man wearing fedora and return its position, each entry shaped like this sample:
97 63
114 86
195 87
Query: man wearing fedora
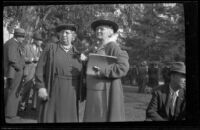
13 70
168 101
32 54
107 104
57 78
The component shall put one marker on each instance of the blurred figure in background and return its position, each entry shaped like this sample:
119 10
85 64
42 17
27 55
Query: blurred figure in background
134 75
166 73
153 73
142 77
32 54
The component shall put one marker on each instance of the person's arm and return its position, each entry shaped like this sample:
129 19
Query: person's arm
152 110
119 69
40 75
40 70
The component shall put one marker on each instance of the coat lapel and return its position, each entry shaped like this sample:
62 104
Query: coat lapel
167 100
179 102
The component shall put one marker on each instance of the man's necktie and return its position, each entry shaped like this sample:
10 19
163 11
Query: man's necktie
172 103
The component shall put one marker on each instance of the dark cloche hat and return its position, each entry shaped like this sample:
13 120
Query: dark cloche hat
19 32
178 67
105 21
66 26
37 36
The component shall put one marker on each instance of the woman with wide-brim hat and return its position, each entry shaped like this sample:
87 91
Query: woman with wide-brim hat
106 103
58 77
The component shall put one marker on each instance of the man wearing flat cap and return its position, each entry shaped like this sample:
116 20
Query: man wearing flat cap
32 54
105 102
168 102
58 78
13 70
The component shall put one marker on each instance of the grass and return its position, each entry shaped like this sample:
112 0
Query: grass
135 107
135 104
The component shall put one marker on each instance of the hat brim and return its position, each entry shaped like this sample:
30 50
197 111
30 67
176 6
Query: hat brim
65 27
19 34
38 38
178 71
97 23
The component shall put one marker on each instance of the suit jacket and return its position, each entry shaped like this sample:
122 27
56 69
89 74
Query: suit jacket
13 58
158 109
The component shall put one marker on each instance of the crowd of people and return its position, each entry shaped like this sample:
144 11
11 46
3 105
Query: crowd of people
54 77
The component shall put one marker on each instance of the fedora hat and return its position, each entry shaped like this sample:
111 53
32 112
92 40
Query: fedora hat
37 36
19 32
178 67
105 21
66 27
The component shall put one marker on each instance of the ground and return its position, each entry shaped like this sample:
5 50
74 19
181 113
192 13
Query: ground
135 107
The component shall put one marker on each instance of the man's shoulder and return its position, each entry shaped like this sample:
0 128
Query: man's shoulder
50 45
161 89
10 41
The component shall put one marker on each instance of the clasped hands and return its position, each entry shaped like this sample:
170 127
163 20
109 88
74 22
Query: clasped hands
98 71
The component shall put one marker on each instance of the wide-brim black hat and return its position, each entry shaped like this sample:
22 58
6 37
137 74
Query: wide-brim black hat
106 22
66 26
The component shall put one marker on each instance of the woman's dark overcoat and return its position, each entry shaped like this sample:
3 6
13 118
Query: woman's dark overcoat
105 101
58 72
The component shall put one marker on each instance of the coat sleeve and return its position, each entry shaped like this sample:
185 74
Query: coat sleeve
152 110
13 57
119 69
27 54
40 69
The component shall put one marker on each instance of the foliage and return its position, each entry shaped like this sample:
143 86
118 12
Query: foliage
148 31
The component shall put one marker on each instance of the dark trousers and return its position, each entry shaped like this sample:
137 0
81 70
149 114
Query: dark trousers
13 96
26 93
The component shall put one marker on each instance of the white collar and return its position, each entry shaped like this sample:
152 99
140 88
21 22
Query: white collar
15 39
172 91
113 38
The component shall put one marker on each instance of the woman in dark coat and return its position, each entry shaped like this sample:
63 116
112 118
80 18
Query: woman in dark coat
58 77
105 102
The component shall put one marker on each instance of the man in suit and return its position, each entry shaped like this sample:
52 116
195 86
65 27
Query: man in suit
168 101
13 71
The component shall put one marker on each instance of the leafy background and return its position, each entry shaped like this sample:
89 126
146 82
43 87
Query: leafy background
151 32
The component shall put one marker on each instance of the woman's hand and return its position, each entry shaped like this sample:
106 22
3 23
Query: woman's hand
98 71
83 57
42 93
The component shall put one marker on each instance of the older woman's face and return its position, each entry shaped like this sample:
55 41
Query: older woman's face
104 32
67 36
